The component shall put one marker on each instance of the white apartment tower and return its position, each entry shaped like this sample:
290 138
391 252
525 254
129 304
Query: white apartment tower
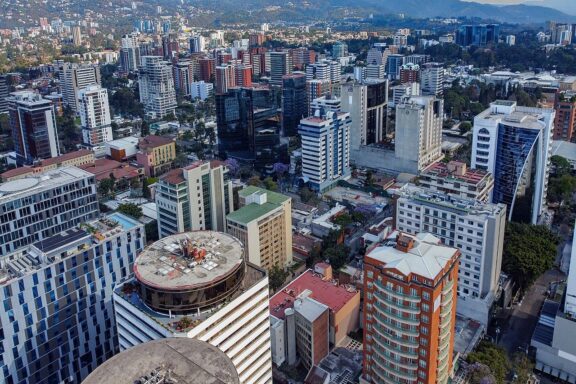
94 115
157 91
432 79
325 148
419 130
515 145
130 53
76 77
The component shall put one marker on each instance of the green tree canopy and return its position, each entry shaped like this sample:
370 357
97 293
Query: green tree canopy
493 357
277 276
130 209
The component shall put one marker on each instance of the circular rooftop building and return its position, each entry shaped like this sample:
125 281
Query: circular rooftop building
172 360
190 271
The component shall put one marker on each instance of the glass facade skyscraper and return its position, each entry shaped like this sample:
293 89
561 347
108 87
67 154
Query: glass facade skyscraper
478 35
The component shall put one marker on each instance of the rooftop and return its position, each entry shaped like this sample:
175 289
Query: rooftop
312 285
424 254
565 149
43 182
102 168
46 162
184 360
309 308
456 171
188 260
153 141
256 208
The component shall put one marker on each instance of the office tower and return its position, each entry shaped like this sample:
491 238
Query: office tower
410 305
565 120
300 57
328 70
366 102
94 113
315 89
76 36
196 44
515 144
339 49
375 56
194 198
76 77
223 57
258 63
183 72
457 180
409 73
325 148
58 320
256 39
375 71
280 65
156 154
475 228
510 40
184 361
400 40
393 64
207 69
416 59
170 47
263 223
33 127
208 291
243 75
130 53
294 106
201 90
248 126
478 35
157 87
298 332
326 103
3 94
432 79
399 92
225 78
36 208
418 137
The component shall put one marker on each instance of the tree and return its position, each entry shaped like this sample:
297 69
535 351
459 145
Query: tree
233 166
561 188
480 374
254 181
337 256
522 367
465 127
105 187
493 357
151 231
561 166
270 184
306 194
130 209
529 251
277 276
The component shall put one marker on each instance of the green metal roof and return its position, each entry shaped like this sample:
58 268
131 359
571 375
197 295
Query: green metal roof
251 212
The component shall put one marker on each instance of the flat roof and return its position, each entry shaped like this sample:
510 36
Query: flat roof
427 257
254 211
186 361
565 149
312 285
440 169
164 264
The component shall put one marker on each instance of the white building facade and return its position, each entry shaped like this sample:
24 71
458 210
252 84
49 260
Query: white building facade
95 117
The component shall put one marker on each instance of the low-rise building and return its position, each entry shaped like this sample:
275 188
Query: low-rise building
122 149
263 222
72 159
156 154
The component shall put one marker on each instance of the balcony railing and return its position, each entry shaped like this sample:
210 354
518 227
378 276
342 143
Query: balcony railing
396 316
400 307
399 295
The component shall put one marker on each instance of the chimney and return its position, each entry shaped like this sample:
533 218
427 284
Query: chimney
404 243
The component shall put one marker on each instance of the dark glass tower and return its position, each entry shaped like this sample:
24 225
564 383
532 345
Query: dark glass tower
294 105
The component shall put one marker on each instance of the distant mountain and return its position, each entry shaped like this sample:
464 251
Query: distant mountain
566 6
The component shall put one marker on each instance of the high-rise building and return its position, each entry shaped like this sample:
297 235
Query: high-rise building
315 89
565 120
280 65
33 124
326 103
301 57
248 126
515 144
76 77
479 35
207 69
409 73
263 223
181 360
199 285
511 40
325 148
201 90
366 102
432 79
194 198
243 75
410 285
94 115
401 91
375 56
76 36
294 106
130 53
157 87
393 64
183 72
225 78
58 320
38 207
339 49
3 94
457 180
418 137
375 72
475 228
196 44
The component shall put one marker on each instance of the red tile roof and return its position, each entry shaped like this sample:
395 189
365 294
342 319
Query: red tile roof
66 156
102 168
324 291
175 176
153 141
